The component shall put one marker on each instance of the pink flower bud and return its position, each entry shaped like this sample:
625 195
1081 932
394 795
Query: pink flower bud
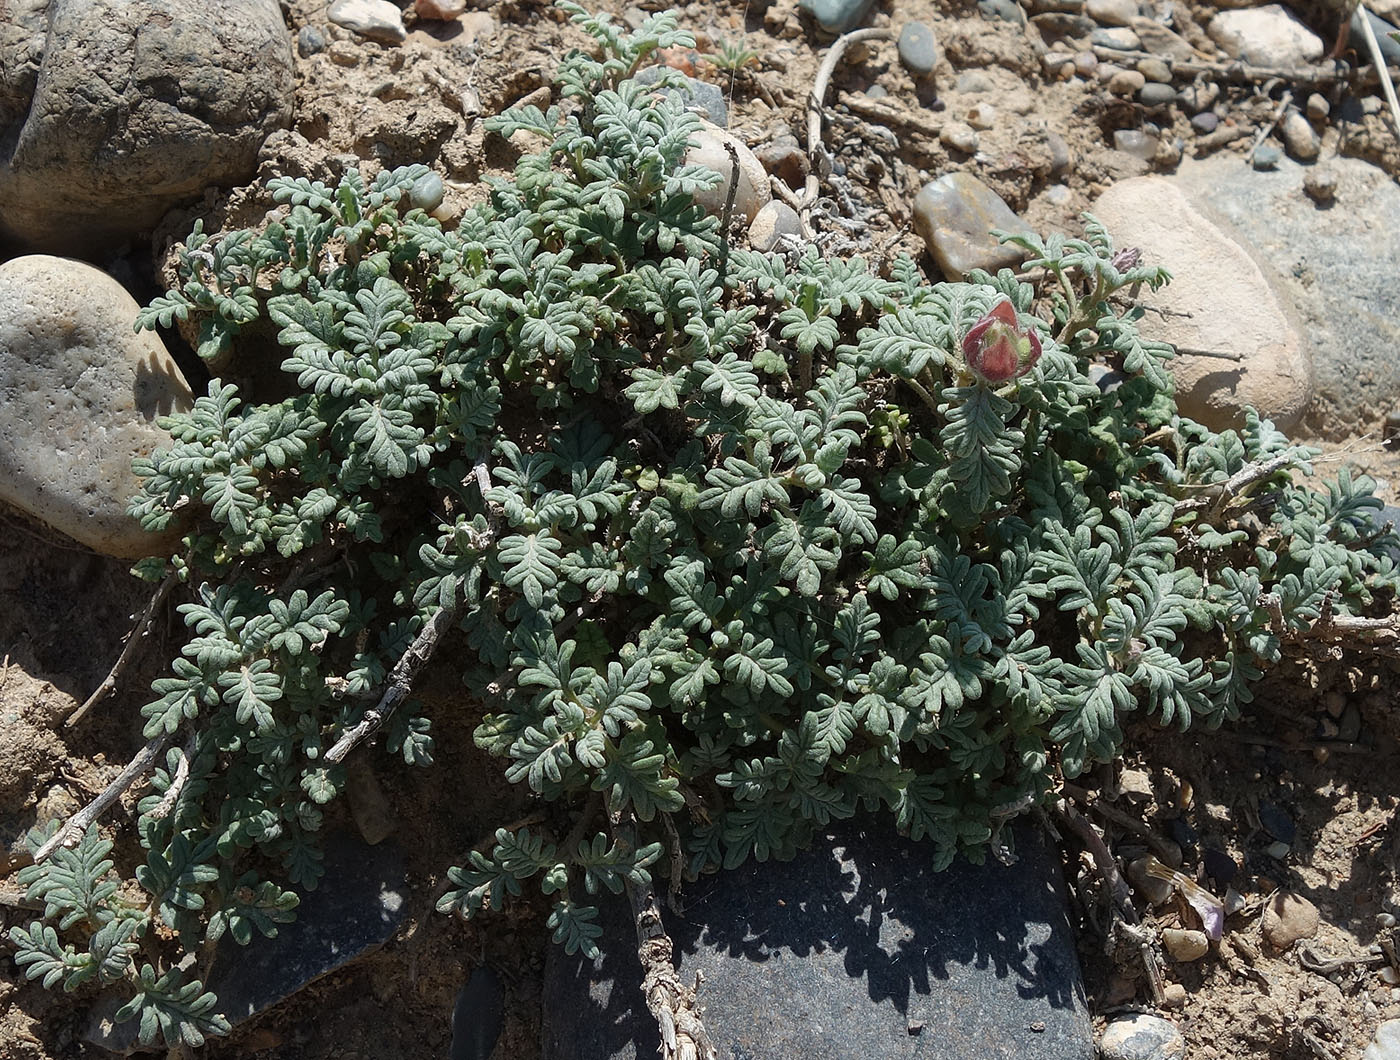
997 348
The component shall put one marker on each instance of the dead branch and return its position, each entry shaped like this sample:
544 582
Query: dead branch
177 782
400 683
672 1005
137 635
815 104
1217 495
76 825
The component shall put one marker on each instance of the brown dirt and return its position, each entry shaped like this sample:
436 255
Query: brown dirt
66 609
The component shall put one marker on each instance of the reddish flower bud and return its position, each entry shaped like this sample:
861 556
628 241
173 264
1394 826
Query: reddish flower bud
997 348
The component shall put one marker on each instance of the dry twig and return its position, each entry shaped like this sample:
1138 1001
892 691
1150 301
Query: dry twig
1374 47
672 1004
815 104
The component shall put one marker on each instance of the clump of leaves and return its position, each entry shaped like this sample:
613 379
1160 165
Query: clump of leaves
732 544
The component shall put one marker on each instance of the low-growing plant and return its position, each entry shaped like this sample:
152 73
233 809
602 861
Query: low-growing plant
732 544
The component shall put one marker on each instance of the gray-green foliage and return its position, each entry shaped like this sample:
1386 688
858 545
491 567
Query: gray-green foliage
737 540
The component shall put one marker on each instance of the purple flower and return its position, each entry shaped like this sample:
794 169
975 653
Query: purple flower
997 348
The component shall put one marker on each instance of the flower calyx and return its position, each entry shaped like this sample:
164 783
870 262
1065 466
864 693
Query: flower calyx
997 348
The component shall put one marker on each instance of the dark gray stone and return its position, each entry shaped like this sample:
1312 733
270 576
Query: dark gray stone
1004 10
1219 866
310 41
1156 94
694 93
359 904
1276 821
1205 122
478 1016
854 949
918 48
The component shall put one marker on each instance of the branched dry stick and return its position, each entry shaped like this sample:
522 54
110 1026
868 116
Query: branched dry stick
1125 918
1218 494
672 1005
77 824
138 634
177 782
1271 124
815 104
400 683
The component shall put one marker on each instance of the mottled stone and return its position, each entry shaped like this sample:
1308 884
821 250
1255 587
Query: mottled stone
854 949
133 109
1298 136
1184 945
1265 36
1320 184
955 215
1125 82
1205 122
960 136
1002 11
1219 303
80 392
1266 157
1142 1037
310 41
1155 70
1386 1044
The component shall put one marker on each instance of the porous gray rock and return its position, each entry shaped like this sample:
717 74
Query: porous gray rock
118 112
80 393
1238 343
955 215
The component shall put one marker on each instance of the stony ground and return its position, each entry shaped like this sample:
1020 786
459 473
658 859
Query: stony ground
1299 796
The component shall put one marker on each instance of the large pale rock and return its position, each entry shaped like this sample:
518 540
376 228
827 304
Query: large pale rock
955 216
80 392
1265 36
1237 343
118 111
710 147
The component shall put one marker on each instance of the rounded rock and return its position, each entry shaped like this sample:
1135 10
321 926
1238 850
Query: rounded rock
1288 918
1142 1038
918 48
954 216
310 41
775 224
1112 12
710 147
1126 82
1266 157
1086 64
134 109
983 116
1320 184
1205 122
1135 142
1298 137
1318 108
1156 94
80 392
377 20
1119 38
426 193
439 10
960 137
1185 945
1155 70
1221 301
1386 1044
837 16
1150 887
702 97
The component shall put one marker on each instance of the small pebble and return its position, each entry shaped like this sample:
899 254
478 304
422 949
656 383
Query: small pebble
877 92
1156 94
982 116
426 193
1234 901
1135 142
310 40
1278 850
1142 1038
1200 97
1005 10
1058 195
1086 64
1349 728
343 53
1112 12
1173 996
1060 159
1155 70
439 10
1299 137
376 19
1120 38
1219 866
704 98
1385 920
776 221
1126 82
1185 945
1205 122
960 137
1386 1044
918 49
1053 62
1266 156
974 81
1150 887
837 16
1135 783
1276 821
1287 918
1320 185
1318 108
1389 976
954 215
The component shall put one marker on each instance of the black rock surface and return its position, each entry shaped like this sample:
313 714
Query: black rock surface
854 949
